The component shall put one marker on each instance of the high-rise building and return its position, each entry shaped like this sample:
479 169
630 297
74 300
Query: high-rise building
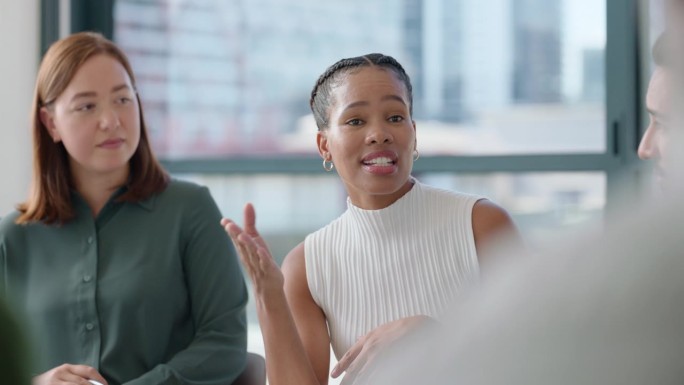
487 54
236 74
537 51
465 56
412 40
593 79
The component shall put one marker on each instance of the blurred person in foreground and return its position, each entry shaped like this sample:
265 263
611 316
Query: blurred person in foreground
121 273
606 309
655 144
664 100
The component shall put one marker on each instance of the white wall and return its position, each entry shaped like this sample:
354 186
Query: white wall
20 47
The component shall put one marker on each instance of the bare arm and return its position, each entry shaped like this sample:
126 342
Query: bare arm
308 317
287 356
492 226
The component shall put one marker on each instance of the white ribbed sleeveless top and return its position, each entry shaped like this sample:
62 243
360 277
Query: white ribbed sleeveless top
370 267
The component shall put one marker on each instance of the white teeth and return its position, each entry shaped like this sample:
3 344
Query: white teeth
382 161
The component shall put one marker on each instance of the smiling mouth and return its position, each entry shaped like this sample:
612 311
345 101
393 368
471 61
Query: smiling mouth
380 161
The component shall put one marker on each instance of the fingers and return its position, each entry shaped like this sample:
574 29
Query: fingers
231 227
357 369
253 251
69 374
250 220
87 373
265 258
234 231
348 358
250 224
248 250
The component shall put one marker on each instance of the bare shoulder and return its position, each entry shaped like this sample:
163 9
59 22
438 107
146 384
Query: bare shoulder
488 217
491 223
294 271
309 319
294 266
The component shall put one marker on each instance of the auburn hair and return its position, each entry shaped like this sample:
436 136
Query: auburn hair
49 198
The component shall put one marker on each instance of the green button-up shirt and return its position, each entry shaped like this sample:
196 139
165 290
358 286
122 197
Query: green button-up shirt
147 293
13 350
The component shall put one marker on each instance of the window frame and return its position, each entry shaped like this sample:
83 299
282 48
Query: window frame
623 111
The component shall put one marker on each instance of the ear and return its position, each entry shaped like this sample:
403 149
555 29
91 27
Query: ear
415 137
49 122
322 142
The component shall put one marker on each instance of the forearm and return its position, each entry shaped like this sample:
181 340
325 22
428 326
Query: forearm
287 362
214 357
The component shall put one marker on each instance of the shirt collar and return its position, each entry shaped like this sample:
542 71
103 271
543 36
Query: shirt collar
148 204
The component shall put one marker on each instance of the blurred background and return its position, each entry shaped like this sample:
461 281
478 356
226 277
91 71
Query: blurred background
536 104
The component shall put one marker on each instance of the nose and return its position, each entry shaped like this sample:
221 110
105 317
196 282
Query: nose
648 147
109 119
378 133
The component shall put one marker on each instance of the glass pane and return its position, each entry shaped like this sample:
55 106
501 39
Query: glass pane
655 20
226 78
543 205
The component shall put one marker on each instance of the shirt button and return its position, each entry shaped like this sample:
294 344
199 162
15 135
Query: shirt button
87 278
90 240
89 326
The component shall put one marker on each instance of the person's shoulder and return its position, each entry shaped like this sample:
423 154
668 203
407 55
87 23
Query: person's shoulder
182 190
181 196
293 263
442 193
492 226
8 225
333 226
178 186
446 203
488 213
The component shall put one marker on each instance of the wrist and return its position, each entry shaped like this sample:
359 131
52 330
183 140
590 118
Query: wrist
270 299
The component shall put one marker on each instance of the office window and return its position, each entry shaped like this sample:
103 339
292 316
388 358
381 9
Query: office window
231 78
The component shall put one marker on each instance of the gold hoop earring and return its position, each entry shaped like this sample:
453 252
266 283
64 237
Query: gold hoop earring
416 155
328 165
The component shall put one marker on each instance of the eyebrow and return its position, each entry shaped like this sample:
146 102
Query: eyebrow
384 98
90 94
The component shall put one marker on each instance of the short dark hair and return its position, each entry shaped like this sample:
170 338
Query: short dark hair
320 101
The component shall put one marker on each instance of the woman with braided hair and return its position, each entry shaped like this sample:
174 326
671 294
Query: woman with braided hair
391 262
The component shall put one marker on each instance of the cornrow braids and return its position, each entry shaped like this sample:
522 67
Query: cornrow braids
321 95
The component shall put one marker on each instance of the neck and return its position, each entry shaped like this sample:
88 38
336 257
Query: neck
97 188
380 201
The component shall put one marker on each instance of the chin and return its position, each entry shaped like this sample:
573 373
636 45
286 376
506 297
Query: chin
112 167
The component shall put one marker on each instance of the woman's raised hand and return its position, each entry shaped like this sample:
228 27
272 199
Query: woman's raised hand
254 253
